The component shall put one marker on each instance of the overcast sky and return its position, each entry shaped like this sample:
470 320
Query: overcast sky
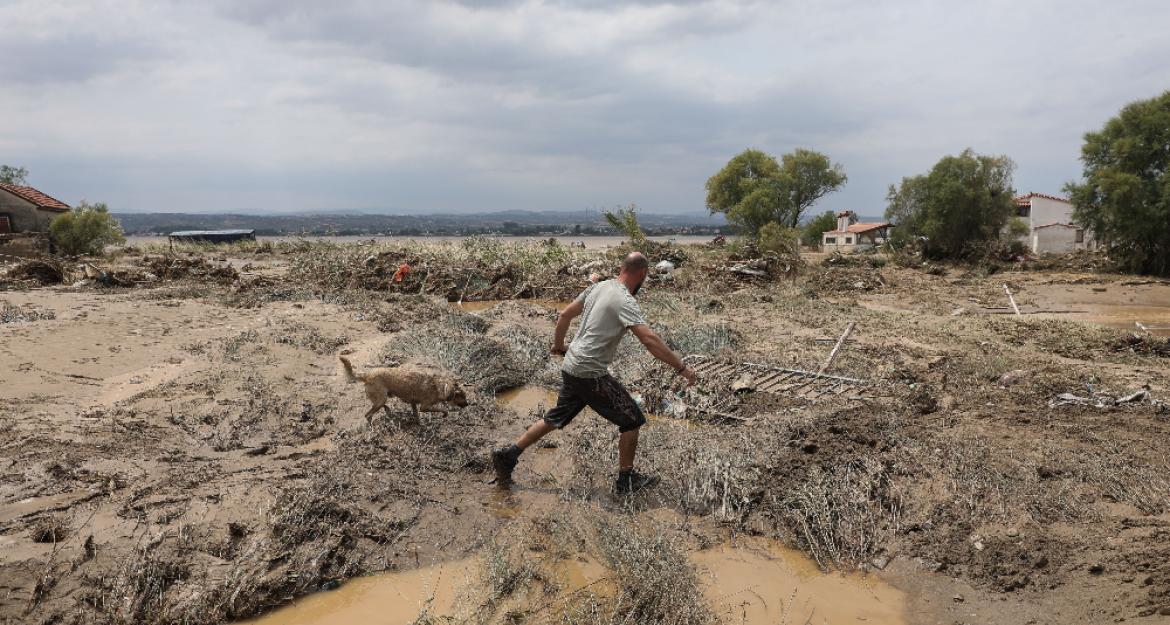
287 105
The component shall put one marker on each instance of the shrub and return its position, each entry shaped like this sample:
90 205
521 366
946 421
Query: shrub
777 240
87 229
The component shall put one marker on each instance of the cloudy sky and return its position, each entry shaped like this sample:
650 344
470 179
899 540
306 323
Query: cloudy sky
288 105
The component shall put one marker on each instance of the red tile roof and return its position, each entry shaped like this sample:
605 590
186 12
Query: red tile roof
862 228
1026 199
36 197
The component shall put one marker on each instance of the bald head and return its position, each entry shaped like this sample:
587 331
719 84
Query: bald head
635 262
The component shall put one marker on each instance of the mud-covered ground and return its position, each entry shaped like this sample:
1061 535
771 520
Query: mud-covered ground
177 446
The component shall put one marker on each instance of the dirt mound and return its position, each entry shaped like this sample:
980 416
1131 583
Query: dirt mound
851 278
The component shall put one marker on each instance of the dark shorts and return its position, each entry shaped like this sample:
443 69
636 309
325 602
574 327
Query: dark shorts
605 395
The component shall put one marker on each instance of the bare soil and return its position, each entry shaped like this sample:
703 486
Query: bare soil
182 449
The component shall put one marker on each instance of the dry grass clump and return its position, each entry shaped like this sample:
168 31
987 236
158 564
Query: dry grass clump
654 581
843 513
1122 477
49 529
307 337
704 471
483 362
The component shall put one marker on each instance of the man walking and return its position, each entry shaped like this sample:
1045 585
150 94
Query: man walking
609 310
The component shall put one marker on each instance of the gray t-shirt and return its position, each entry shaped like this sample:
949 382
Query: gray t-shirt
609 311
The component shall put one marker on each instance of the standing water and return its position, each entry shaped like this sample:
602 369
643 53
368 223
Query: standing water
753 582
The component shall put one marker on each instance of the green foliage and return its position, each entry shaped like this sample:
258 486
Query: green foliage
1125 197
777 239
625 221
13 175
753 189
961 205
810 233
1017 228
87 229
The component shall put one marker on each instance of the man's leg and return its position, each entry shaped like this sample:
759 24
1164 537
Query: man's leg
612 401
535 432
627 447
569 404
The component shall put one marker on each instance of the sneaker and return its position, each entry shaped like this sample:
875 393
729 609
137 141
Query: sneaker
503 462
633 482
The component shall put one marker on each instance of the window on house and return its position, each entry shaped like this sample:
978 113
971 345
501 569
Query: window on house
830 240
1080 235
5 224
848 240
1024 210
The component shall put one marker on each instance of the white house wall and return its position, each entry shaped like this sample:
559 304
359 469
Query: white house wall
1054 240
1046 211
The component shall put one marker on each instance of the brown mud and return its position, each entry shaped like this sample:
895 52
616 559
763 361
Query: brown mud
184 451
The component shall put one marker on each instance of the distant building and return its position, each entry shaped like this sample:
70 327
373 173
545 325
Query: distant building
1051 228
26 210
849 237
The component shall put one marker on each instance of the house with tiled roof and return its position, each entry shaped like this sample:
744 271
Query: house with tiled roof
27 210
847 237
1051 228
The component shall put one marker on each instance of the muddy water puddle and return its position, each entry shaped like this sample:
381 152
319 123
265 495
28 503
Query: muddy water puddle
389 598
758 581
1155 319
753 582
528 398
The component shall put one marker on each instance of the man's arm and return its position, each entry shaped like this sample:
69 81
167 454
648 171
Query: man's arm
563 320
657 348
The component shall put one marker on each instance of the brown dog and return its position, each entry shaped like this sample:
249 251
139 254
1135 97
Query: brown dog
420 388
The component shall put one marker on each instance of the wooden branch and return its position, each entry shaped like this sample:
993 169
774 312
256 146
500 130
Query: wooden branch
837 347
1010 298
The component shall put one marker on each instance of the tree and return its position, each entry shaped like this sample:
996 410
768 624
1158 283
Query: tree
810 233
1125 196
963 203
625 221
753 189
13 175
87 229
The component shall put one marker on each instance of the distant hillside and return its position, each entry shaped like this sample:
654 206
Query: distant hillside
506 222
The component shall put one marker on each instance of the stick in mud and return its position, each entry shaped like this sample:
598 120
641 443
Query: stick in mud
1011 298
840 343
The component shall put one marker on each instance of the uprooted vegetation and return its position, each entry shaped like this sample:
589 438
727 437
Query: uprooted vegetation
242 475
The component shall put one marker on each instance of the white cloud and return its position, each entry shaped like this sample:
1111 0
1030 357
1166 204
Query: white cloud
529 104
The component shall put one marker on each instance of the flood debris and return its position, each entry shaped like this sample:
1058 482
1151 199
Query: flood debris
1102 400
37 271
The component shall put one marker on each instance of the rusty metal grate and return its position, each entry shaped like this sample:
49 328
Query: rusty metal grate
777 380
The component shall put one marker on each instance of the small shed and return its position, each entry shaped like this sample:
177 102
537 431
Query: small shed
211 236
27 210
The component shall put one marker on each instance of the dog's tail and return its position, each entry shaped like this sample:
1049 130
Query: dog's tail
350 376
